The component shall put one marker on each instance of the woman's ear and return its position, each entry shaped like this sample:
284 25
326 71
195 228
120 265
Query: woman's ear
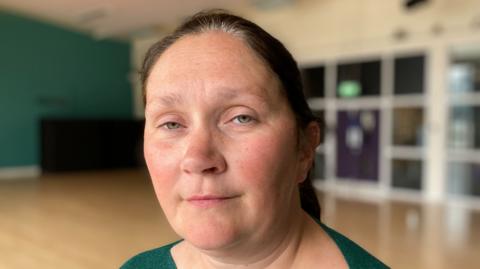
311 140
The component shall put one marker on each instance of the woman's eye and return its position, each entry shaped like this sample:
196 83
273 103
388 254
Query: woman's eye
243 119
171 125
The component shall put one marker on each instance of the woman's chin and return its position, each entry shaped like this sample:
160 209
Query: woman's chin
210 244
210 235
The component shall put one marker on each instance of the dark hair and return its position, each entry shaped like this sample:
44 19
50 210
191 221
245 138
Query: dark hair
271 51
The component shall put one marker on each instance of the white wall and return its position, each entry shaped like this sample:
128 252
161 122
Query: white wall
139 48
326 28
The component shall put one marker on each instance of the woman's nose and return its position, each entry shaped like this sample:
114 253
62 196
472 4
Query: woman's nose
202 155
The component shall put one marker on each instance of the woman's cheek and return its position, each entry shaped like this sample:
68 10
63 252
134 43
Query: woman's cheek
161 165
261 156
263 170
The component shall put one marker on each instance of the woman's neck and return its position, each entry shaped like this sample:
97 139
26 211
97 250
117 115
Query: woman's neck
282 252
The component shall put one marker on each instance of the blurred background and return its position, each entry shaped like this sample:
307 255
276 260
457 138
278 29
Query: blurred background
397 83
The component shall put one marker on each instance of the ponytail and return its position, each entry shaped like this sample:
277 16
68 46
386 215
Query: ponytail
308 198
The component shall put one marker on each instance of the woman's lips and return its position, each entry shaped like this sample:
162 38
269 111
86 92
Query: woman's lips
208 200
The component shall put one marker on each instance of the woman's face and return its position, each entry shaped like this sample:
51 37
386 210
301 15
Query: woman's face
220 143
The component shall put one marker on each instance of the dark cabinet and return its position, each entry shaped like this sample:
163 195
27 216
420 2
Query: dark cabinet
84 144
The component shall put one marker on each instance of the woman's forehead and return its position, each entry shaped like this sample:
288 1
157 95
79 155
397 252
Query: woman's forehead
213 59
210 51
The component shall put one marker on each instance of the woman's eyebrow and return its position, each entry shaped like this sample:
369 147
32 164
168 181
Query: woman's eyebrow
167 100
171 99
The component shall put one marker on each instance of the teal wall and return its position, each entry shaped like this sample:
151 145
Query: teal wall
47 71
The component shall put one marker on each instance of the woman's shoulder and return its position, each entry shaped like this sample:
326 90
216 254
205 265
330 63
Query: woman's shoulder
356 256
159 258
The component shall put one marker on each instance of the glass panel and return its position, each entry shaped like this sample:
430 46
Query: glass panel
357 137
464 178
464 128
408 126
314 81
407 174
319 166
409 75
358 79
464 73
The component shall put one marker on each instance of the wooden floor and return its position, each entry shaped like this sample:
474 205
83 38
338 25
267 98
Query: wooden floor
98 220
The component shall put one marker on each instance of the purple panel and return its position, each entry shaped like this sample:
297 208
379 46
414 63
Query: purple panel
358 144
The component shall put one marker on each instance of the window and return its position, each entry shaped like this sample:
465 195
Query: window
464 75
407 174
314 81
464 122
464 127
464 178
358 79
408 126
409 75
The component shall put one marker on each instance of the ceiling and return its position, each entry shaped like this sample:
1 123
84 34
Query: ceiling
121 18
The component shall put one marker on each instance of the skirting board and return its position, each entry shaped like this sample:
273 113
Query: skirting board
20 172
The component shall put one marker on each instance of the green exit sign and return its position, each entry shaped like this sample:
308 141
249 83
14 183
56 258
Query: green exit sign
349 88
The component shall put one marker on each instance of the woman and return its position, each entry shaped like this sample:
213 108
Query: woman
229 143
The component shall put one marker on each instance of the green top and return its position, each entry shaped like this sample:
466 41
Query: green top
356 257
